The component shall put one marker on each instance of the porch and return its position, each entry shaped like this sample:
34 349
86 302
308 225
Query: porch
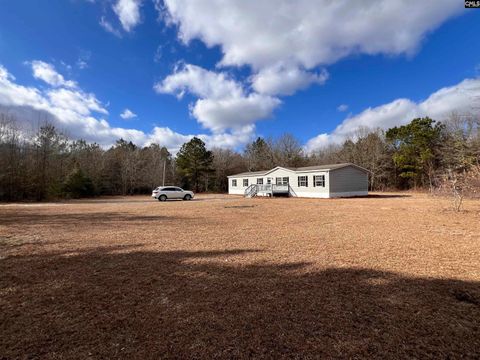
267 190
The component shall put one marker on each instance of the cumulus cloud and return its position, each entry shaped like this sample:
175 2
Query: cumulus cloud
279 80
47 73
173 140
80 115
222 102
285 42
306 32
128 114
128 12
342 107
75 100
439 105
233 113
199 82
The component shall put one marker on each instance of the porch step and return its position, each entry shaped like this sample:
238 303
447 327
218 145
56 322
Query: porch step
269 189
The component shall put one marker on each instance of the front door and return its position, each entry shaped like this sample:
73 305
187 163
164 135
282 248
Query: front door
269 181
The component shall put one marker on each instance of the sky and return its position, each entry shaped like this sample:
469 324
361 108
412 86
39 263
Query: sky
229 71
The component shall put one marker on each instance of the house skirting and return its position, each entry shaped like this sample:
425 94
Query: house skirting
313 195
326 195
349 194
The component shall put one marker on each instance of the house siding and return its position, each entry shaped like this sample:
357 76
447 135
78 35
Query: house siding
310 191
302 191
348 180
240 189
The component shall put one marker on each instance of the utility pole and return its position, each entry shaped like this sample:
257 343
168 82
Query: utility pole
164 165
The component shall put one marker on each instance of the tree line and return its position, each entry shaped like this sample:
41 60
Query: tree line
424 154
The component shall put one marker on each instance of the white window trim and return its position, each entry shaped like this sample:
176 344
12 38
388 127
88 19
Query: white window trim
282 180
302 181
318 182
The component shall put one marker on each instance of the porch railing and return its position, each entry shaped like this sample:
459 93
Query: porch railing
272 188
251 191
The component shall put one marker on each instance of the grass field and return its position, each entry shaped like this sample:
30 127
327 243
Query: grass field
388 276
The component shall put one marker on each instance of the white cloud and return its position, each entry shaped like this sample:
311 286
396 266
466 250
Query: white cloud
128 114
232 139
76 101
107 26
306 32
79 114
342 107
46 72
17 95
128 12
234 112
279 80
223 103
199 82
439 105
284 41
173 140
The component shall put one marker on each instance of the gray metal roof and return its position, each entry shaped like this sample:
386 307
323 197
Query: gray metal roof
304 168
323 167
252 173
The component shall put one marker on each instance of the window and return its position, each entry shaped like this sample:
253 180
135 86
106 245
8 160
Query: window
303 181
234 182
269 181
319 180
259 181
245 182
281 180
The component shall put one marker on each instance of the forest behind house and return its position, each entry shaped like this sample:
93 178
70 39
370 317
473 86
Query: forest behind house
423 154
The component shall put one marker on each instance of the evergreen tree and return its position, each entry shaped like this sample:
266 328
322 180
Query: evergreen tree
417 149
194 163
78 185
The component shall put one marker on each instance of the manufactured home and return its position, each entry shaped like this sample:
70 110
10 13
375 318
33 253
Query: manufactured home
323 181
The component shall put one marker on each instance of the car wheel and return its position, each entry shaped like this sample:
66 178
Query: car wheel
187 197
162 198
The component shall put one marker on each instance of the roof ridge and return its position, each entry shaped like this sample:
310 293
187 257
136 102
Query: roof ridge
300 168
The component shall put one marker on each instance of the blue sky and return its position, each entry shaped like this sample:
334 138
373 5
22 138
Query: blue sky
229 72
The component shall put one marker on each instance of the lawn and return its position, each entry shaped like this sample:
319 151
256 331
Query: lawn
388 276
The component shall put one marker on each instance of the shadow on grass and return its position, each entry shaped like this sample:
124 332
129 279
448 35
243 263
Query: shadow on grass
385 196
125 303
66 219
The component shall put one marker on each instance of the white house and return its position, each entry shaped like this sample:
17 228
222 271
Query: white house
323 181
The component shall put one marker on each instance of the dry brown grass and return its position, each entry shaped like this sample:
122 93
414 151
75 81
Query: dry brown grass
380 277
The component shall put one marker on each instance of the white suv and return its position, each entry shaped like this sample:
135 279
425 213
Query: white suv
162 193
